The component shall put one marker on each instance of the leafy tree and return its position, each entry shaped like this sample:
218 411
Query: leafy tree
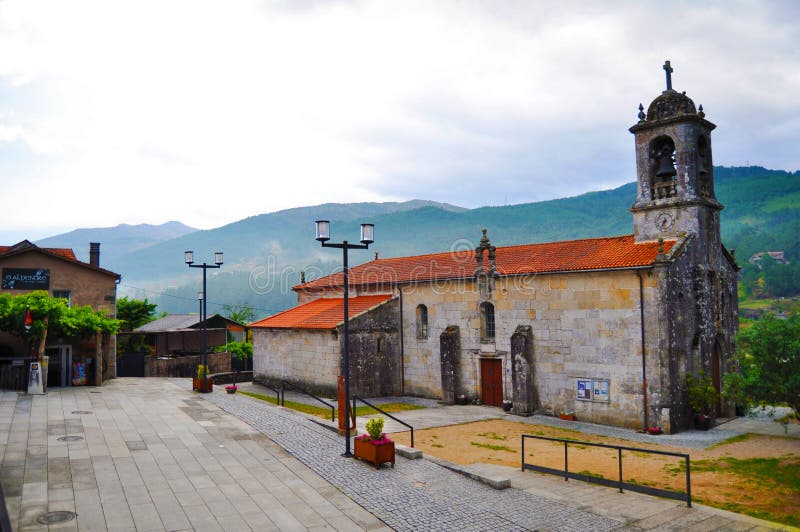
134 313
702 394
50 314
239 313
241 350
769 360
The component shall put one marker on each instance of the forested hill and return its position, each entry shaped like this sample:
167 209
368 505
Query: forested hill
265 254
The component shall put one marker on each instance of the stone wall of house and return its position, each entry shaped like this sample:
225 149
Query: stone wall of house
586 325
309 357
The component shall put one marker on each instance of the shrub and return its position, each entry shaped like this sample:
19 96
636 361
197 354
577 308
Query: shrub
375 428
702 394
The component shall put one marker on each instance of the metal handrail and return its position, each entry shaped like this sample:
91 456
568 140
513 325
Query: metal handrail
608 482
274 389
303 390
385 414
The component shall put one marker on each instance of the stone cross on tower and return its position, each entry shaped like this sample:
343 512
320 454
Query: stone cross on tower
668 70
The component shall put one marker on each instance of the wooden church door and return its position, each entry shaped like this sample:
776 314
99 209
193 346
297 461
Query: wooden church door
492 382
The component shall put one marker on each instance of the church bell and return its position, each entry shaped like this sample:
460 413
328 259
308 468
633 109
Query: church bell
665 168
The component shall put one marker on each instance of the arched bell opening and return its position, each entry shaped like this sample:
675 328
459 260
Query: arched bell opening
703 167
662 168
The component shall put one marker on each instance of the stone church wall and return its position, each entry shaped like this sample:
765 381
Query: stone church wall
585 325
375 366
700 298
309 357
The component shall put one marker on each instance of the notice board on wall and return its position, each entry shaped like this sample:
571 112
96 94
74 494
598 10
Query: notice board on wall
592 389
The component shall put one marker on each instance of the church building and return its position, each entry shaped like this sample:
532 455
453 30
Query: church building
607 328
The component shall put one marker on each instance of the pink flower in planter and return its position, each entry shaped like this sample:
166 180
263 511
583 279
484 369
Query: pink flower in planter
380 441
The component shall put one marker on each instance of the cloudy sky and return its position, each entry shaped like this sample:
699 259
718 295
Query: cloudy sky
207 112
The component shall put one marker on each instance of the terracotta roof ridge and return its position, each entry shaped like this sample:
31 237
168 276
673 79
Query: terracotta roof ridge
451 252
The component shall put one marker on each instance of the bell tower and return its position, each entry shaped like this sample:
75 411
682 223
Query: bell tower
675 174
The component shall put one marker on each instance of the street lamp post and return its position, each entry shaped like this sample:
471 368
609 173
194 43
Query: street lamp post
323 234
202 296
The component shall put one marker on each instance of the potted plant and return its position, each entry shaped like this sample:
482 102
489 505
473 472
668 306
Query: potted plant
374 446
203 383
703 398
568 415
231 388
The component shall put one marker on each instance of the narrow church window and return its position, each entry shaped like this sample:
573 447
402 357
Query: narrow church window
422 321
663 173
487 321
380 345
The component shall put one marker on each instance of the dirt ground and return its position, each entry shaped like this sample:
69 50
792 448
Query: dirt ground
753 474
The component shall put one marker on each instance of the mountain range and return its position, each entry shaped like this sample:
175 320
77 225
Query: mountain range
264 254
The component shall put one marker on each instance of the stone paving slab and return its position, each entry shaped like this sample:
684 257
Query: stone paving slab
150 456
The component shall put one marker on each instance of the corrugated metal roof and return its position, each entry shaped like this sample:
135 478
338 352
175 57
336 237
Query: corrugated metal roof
171 322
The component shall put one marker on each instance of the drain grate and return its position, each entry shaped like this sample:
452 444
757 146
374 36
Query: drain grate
51 518
81 412
70 438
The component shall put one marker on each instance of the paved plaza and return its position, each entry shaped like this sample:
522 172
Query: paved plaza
149 454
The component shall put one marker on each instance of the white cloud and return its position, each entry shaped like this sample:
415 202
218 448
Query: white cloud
208 112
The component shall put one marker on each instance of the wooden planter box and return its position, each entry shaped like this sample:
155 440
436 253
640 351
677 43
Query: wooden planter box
376 454
197 385
568 417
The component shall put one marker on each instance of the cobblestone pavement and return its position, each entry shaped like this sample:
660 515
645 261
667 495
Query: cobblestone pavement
417 494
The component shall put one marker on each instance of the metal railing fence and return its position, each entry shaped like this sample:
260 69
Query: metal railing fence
387 414
567 474
303 390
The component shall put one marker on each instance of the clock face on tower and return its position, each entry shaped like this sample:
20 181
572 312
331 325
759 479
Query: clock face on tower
664 221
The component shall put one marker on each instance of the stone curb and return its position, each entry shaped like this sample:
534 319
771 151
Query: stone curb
407 452
498 483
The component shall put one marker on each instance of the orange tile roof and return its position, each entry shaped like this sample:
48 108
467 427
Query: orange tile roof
65 253
323 313
573 255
